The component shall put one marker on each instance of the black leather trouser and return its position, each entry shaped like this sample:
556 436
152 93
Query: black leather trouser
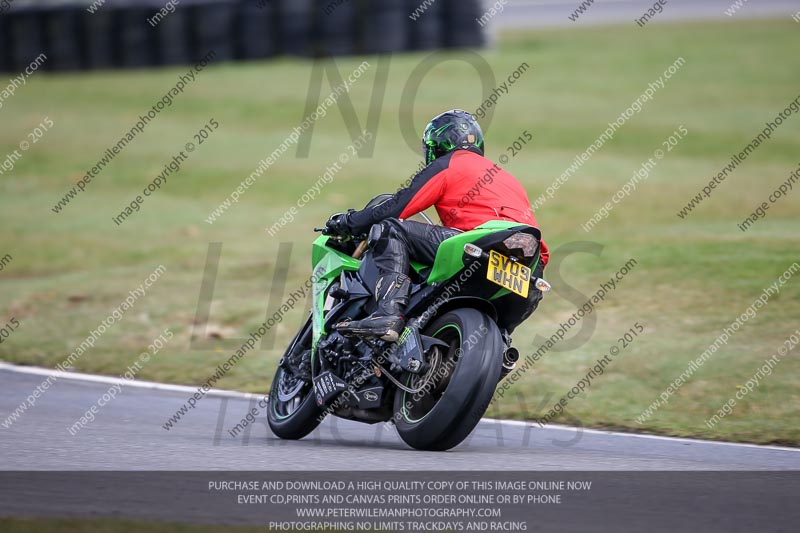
395 242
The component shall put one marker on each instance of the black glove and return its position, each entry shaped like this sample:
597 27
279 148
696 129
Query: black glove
339 224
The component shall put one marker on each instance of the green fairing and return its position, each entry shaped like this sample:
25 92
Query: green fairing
327 264
450 256
417 266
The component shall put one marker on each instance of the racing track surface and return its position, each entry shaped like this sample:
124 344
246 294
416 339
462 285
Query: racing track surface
127 439
518 14
127 434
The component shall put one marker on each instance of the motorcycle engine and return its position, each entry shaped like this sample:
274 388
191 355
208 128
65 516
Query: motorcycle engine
350 360
347 358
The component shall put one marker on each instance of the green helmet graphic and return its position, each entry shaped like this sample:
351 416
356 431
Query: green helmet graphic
454 129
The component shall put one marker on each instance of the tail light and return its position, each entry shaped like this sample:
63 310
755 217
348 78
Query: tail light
474 251
526 243
542 285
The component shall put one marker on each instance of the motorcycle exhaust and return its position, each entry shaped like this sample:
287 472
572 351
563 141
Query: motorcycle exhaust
510 358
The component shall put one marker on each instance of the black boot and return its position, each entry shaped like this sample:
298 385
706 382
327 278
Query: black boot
387 321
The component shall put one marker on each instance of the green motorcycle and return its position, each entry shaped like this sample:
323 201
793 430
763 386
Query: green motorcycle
437 380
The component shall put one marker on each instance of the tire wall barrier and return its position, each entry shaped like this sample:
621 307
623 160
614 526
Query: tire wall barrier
98 34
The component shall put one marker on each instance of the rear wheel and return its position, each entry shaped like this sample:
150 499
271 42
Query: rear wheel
293 412
452 402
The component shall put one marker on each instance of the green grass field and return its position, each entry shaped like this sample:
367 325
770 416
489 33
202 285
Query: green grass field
694 276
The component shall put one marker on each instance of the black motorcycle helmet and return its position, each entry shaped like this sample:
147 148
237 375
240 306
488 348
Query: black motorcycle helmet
449 131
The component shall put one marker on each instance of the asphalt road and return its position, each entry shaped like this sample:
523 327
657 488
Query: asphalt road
546 13
128 434
125 464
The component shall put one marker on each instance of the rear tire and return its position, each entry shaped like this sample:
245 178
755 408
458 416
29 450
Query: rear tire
441 417
293 412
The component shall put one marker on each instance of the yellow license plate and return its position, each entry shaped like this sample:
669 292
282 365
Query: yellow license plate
506 273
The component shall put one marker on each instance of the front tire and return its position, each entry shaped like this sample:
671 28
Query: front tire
445 413
293 412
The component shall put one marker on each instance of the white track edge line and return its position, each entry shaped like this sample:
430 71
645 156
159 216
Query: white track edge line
684 440
153 385
78 376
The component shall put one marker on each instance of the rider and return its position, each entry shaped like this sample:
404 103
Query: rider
466 189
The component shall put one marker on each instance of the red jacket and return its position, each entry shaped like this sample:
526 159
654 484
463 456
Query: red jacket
466 189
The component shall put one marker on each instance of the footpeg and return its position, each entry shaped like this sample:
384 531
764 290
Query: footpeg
409 353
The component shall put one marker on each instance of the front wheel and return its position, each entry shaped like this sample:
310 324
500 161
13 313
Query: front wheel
293 412
458 390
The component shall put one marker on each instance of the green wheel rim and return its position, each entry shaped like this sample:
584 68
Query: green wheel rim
403 410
